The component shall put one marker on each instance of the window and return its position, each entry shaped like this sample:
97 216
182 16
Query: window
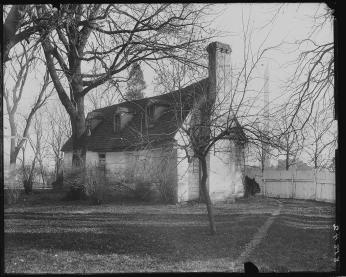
150 112
102 160
117 122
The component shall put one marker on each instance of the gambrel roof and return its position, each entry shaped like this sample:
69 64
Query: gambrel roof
136 134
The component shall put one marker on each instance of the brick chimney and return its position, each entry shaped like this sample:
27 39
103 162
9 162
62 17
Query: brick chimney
220 74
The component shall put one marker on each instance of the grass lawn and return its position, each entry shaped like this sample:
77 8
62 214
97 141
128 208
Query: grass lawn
300 239
56 237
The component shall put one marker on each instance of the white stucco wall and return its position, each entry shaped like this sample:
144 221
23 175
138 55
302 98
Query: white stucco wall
187 177
92 158
225 174
67 164
116 162
182 176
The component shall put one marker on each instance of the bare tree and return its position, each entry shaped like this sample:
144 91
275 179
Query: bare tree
40 148
222 113
321 138
105 40
18 74
29 171
291 138
59 131
22 23
227 109
313 78
103 96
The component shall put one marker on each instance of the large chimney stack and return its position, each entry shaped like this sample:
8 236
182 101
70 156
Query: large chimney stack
220 74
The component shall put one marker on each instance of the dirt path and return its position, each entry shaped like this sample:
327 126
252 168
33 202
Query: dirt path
257 238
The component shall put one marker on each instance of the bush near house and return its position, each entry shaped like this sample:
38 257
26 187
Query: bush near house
141 181
85 183
251 187
12 195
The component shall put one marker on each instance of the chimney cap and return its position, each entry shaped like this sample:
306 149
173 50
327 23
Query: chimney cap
219 45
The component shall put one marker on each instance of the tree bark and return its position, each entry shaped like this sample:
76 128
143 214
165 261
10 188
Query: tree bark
73 105
13 152
11 25
287 161
78 128
206 195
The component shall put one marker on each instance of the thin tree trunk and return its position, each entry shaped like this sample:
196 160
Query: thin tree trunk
207 196
287 161
13 156
13 152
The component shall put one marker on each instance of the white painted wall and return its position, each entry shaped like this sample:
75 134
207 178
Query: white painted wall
92 158
193 179
182 176
225 178
117 162
182 166
67 165
225 174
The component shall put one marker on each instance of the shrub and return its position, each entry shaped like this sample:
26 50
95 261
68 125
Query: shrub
84 183
95 184
74 182
251 187
164 175
76 192
166 191
11 196
143 191
58 183
27 175
27 186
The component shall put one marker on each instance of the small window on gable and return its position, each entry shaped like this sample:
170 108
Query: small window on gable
117 122
102 160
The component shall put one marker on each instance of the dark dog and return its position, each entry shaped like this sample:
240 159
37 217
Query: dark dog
250 268
251 187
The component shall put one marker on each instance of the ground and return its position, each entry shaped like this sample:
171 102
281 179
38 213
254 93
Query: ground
276 235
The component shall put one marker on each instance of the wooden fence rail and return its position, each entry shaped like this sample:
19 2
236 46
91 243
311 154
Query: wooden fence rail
304 184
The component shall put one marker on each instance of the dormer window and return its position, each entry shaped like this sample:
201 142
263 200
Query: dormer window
117 122
122 116
154 110
93 119
150 112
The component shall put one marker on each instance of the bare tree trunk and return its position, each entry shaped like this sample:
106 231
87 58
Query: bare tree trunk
207 196
287 166
78 128
13 156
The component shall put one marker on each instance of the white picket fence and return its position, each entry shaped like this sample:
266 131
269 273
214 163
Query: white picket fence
297 184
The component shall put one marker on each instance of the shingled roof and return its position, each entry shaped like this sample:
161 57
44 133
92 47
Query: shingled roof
136 135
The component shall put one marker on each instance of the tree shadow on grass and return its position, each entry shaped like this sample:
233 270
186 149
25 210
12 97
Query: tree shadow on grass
166 242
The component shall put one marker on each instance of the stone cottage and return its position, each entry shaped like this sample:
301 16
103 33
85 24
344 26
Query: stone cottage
146 141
